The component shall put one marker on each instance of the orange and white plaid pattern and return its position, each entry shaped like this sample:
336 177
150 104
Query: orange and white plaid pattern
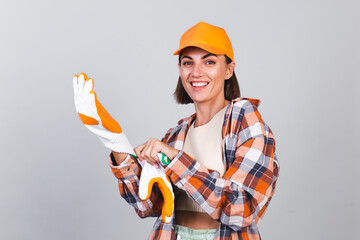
239 199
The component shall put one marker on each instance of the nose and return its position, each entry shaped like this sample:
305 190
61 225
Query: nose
196 71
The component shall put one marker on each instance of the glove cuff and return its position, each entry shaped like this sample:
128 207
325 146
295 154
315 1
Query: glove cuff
117 142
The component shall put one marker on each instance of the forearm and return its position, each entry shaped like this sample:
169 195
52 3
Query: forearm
219 197
128 180
119 157
126 162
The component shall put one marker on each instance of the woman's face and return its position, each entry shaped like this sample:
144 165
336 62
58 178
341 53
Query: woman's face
203 75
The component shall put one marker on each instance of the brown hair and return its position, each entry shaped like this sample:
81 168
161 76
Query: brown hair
231 88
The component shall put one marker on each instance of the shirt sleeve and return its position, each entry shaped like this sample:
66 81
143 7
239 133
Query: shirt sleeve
128 180
243 193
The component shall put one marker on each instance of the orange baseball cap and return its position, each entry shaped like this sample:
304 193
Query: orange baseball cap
208 37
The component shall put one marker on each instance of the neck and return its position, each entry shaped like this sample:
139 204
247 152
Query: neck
206 111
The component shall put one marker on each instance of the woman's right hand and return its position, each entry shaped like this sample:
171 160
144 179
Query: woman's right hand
150 149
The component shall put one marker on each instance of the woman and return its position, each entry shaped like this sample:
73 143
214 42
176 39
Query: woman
223 160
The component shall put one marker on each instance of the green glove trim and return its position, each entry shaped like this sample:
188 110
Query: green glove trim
163 158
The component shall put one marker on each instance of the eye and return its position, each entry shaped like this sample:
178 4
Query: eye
186 63
210 62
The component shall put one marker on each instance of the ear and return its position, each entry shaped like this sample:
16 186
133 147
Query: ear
229 70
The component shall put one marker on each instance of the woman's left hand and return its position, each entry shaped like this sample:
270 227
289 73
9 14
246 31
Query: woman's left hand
149 150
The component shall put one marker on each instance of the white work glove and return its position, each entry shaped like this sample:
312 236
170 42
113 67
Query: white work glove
151 175
98 120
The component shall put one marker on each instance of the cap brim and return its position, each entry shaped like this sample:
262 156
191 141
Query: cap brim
206 47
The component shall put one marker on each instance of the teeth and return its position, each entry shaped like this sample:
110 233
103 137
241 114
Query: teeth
199 84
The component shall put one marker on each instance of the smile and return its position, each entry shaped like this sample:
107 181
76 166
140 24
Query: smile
199 84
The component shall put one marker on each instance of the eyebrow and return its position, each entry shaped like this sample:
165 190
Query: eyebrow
207 55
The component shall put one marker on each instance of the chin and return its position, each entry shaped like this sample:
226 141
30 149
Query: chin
198 100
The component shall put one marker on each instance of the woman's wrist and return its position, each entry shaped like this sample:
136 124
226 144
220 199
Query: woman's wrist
170 152
119 157
175 152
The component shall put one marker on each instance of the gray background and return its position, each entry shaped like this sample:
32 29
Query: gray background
301 58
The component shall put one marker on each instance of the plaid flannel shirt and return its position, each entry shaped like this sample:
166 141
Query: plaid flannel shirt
239 198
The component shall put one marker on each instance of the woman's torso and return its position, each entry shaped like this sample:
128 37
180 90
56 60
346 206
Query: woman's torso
203 143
